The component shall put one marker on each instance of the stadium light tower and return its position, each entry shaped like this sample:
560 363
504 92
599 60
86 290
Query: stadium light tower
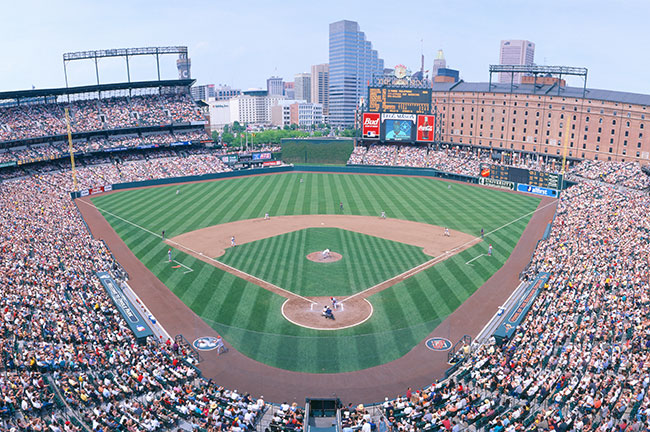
96 55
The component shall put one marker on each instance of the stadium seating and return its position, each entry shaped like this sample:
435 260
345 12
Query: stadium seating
577 362
457 160
38 120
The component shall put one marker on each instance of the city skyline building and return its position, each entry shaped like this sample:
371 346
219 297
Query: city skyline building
515 52
302 87
438 63
352 64
275 86
320 85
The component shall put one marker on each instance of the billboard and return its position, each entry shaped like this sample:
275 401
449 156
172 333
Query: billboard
399 100
370 126
425 128
398 127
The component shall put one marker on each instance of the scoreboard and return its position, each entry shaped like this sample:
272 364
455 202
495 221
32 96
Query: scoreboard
522 176
399 100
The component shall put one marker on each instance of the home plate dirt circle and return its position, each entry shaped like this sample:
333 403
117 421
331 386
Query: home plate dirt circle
350 313
319 258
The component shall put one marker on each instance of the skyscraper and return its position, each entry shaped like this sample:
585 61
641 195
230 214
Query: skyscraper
320 81
275 86
438 63
515 52
352 65
302 87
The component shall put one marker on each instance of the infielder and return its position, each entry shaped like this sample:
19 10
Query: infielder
447 232
232 241
383 214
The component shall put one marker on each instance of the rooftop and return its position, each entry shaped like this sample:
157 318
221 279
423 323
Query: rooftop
545 90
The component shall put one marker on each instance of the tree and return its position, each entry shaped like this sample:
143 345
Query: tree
227 138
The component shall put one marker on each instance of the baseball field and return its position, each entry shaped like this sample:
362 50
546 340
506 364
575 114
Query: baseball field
249 292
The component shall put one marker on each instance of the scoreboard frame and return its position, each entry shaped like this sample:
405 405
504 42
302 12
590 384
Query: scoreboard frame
399 100
522 176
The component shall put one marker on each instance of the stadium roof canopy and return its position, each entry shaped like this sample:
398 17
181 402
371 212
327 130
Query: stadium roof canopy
545 90
40 93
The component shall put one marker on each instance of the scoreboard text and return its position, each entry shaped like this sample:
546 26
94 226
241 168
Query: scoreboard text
522 176
399 100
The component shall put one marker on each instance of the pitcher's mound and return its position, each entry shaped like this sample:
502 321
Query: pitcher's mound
318 257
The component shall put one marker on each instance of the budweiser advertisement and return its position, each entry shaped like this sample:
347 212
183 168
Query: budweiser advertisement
426 124
371 125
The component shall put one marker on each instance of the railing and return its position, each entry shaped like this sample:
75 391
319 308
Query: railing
189 349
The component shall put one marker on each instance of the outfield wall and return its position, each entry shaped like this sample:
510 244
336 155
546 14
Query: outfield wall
184 179
348 169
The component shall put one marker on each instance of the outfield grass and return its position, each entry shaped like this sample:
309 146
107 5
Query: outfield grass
249 317
366 261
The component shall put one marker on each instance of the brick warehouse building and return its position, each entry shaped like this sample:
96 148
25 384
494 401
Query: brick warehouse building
604 125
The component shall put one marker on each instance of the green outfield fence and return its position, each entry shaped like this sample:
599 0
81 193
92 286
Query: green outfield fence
349 169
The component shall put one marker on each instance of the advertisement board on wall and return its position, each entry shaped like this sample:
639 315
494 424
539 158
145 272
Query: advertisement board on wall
371 126
261 156
536 190
425 128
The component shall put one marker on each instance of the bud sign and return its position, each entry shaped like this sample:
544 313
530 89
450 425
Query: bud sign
426 124
370 125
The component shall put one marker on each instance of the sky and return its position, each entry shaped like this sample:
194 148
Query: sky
242 43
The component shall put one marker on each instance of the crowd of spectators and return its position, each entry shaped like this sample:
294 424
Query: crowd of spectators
36 120
63 342
467 161
61 149
580 359
626 174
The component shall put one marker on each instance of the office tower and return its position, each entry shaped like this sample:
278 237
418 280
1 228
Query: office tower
515 52
352 65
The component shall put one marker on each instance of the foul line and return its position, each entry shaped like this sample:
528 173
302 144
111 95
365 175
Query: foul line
433 261
233 270
413 270
474 259
190 270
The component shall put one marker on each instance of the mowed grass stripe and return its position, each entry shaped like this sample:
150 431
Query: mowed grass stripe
397 326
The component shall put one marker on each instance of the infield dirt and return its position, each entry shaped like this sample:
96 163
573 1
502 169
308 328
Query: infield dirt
208 243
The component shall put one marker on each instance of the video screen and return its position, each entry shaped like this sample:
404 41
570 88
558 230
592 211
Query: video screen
398 130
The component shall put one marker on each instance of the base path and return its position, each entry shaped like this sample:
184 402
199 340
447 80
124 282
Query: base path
214 240
418 368
210 242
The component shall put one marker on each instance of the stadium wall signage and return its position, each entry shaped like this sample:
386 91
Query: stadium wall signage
536 190
500 184
134 320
